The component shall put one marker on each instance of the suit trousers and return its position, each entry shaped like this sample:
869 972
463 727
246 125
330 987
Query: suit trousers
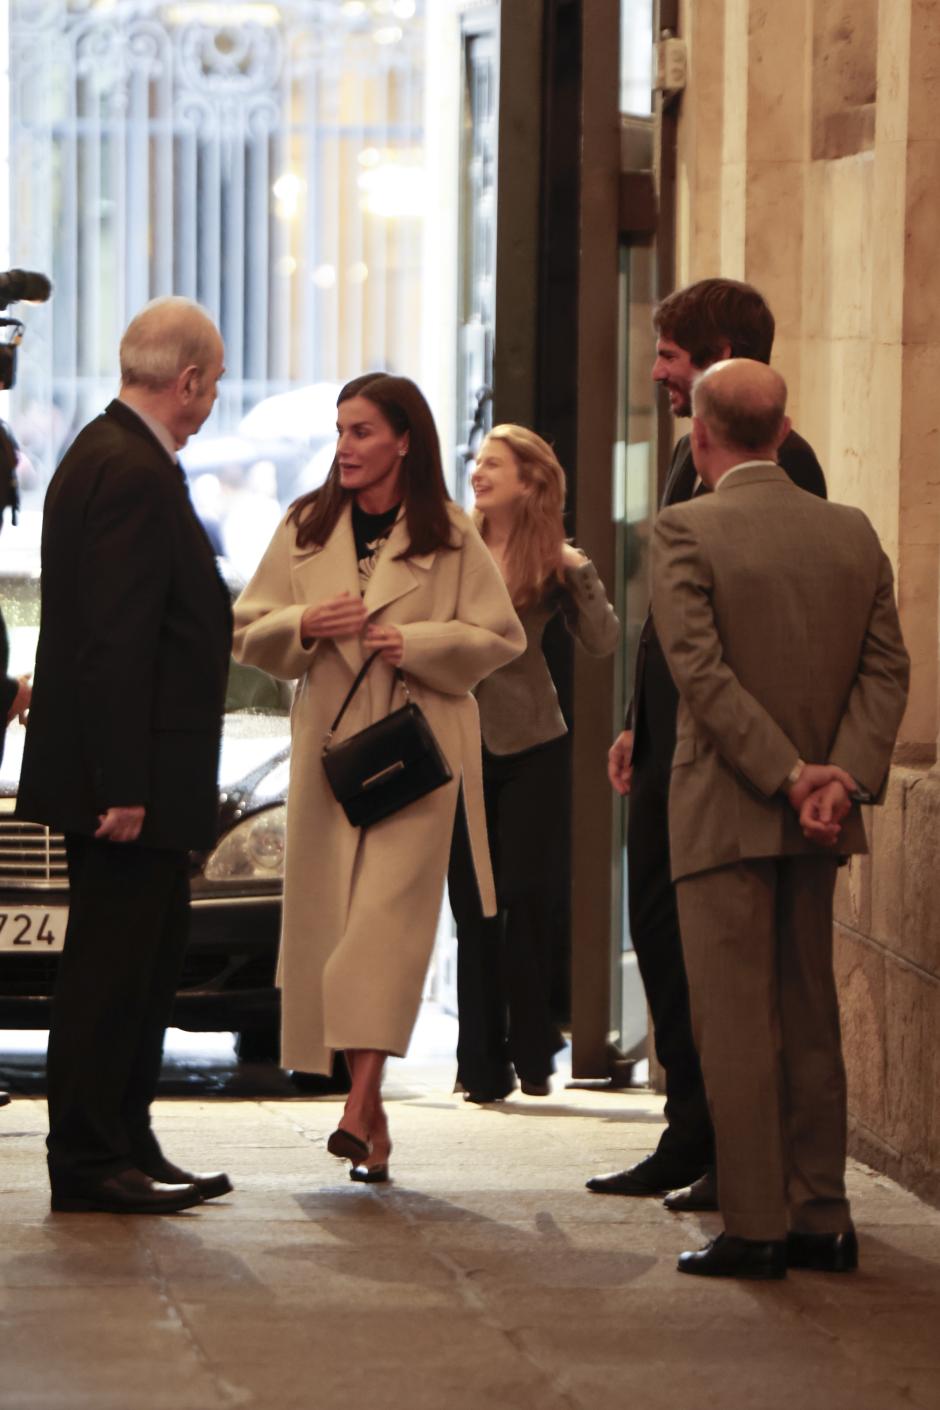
687 1142
757 937
505 963
117 977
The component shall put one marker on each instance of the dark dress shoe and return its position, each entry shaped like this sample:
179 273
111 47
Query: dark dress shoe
701 1194
483 1098
210 1184
648 1177
128 1192
537 1089
823 1253
370 1174
731 1257
4 1098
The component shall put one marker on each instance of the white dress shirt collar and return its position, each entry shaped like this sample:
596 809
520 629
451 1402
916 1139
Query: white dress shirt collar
745 465
156 429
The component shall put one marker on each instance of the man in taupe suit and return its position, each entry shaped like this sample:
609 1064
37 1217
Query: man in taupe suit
776 613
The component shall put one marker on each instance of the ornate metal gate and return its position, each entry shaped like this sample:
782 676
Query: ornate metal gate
263 158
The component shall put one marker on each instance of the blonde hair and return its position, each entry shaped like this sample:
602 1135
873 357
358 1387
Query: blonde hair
533 553
166 336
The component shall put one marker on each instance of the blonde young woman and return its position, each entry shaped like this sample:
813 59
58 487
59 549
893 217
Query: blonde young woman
504 963
378 560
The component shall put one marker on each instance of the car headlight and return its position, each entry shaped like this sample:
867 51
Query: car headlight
253 850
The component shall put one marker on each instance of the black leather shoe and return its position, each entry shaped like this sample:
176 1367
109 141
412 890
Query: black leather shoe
731 1257
4 1098
536 1089
701 1194
483 1098
128 1192
210 1184
648 1177
823 1253
370 1174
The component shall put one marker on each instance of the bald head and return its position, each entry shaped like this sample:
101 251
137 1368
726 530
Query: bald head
165 338
742 403
172 357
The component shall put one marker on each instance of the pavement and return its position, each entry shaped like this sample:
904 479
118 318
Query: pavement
484 1277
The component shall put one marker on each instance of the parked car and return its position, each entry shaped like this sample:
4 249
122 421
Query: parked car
228 977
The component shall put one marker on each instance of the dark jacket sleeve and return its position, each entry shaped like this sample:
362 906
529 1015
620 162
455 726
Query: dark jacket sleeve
124 575
8 685
798 458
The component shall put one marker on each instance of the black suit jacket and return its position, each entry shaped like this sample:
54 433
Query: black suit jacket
652 712
134 644
8 685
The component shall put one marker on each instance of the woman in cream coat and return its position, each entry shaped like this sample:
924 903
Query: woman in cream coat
377 560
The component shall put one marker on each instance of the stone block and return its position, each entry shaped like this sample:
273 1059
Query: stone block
917 593
774 238
888 232
909 1007
849 233
894 39
733 219
859 969
885 827
920 934
853 895
924 72
778 48
922 216
817 250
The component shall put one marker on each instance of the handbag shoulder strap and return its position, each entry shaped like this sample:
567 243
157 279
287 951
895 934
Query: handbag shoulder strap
360 677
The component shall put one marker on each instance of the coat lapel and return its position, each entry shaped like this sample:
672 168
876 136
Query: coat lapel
326 572
394 576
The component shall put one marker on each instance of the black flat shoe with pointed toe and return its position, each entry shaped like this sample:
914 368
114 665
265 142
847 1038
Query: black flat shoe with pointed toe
370 1174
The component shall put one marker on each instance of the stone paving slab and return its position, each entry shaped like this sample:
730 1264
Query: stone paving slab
485 1277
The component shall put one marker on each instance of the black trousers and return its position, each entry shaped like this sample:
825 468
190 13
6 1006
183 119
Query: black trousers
688 1140
127 931
505 963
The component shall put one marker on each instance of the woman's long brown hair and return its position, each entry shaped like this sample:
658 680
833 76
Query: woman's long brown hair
533 553
423 491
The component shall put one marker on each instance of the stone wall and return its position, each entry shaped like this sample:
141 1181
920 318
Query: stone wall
808 162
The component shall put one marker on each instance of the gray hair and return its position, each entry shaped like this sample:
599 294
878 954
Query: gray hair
168 335
743 403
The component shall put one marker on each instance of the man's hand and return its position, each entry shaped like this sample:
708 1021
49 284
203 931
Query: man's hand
19 710
386 639
619 762
340 616
822 813
814 777
120 824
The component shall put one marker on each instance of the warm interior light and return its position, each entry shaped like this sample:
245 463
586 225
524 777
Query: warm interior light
393 191
387 34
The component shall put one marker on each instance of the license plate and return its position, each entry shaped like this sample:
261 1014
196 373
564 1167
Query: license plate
33 929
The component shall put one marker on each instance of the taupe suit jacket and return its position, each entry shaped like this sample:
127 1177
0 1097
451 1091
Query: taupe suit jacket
776 614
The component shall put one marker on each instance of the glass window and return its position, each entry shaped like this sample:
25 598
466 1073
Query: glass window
636 57
266 159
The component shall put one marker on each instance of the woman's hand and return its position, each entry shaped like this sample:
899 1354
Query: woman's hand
572 557
386 639
340 616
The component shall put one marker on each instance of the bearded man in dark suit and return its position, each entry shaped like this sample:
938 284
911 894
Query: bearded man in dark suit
701 324
122 755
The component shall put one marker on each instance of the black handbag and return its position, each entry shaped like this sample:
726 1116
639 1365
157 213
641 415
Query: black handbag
386 766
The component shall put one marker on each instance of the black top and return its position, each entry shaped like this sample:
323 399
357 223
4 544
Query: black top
652 711
134 643
370 532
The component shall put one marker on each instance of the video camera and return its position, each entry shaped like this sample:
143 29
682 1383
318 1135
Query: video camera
18 284
34 288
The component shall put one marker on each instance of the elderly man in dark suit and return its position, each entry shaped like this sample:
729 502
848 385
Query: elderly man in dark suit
776 615
696 326
122 755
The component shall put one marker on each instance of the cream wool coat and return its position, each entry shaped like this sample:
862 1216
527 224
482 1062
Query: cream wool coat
361 906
